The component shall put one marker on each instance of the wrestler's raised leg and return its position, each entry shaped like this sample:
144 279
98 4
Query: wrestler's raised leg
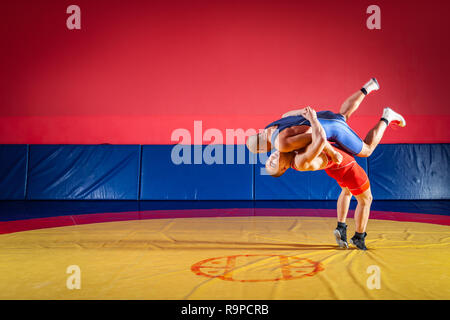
352 103
372 139
374 136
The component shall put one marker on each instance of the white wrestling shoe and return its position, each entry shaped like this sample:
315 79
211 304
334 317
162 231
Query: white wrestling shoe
393 117
371 86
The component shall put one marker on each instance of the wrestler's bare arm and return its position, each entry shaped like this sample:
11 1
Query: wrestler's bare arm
307 159
297 112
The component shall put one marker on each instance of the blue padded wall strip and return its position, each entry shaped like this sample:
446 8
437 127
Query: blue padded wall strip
165 177
13 169
83 172
26 172
254 182
410 171
397 171
139 173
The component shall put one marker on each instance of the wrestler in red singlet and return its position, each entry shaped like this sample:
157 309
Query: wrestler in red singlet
348 173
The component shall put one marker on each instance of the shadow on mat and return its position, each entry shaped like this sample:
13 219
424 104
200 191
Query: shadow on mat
174 244
178 244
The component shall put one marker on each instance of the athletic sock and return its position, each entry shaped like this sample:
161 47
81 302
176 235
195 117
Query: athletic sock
370 86
341 225
385 120
359 235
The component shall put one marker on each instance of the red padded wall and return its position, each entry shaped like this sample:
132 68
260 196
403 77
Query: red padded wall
137 70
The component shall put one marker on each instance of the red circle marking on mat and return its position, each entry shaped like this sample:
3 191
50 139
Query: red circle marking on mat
291 267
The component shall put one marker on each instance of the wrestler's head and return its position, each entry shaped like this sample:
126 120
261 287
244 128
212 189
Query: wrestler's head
278 163
259 143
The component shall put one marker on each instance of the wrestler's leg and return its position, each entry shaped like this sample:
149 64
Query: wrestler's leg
352 103
343 204
372 139
361 218
374 136
363 210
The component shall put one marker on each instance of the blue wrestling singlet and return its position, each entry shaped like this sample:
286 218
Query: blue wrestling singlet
336 129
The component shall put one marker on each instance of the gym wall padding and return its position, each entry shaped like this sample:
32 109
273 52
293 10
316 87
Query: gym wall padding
132 172
162 179
295 185
13 171
23 210
83 172
410 172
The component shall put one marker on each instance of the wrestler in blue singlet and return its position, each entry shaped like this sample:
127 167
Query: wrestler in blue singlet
336 129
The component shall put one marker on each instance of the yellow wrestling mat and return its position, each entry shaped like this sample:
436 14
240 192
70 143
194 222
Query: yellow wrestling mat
226 258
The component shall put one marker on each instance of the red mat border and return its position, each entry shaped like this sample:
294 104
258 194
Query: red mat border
72 220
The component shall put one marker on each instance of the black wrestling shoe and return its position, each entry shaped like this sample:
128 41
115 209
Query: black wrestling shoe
359 241
341 236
